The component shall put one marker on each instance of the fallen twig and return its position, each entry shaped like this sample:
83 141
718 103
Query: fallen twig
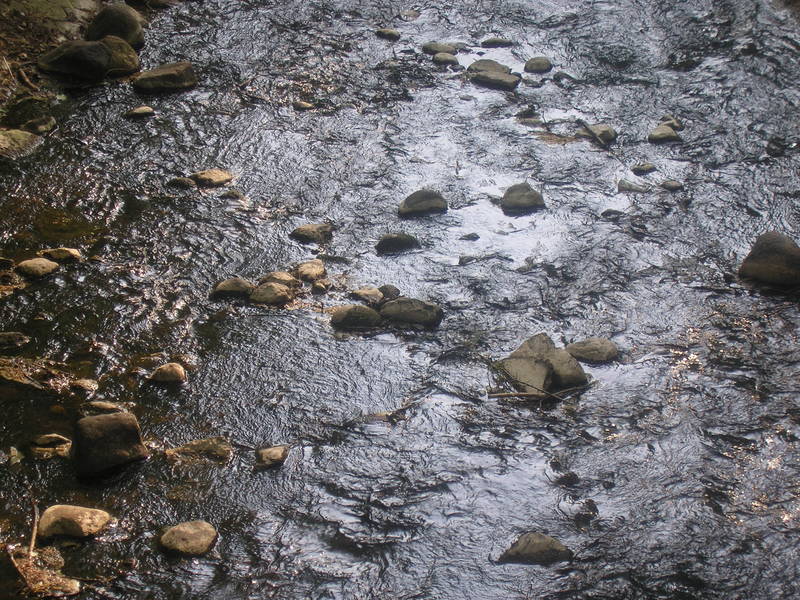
35 527
27 81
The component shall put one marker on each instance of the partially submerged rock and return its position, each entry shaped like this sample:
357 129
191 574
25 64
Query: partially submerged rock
273 456
536 549
74 521
774 260
313 233
282 277
37 267
438 47
671 185
368 295
119 20
538 64
50 445
497 42
487 64
41 571
61 254
91 61
106 442
496 80
211 177
521 199
537 367
602 131
140 112
232 287
422 202
623 185
354 316
171 372
594 350
643 168
388 34
413 312
216 449
15 143
396 243
445 59
182 182
193 538
310 270
272 293
662 134
166 78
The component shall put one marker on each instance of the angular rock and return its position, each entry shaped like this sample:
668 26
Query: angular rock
12 339
234 286
538 64
566 372
422 202
169 373
310 270
140 112
437 48
443 58
61 254
527 375
50 445
106 442
368 295
671 185
774 260
320 233
604 132
192 538
663 134
536 549
496 80
413 312
84 60
594 350
321 286
389 292
396 243
74 521
274 294
216 449
496 42
521 199
354 316
211 177
166 78
37 267
15 143
119 20
271 457
122 59
486 64
388 34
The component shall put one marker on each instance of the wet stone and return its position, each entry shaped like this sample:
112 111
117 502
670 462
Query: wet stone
100 407
12 339
15 143
282 277
487 64
182 182
37 267
25 108
211 177
496 80
106 442
77 58
140 112
671 185
412 311
85 385
604 132
396 243
169 373
354 316
566 372
623 185
389 291
774 260
119 20
272 293
672 122
497 42
193 538
538 64
302 105
388 34
122 59
530 376
438 48
443 58
643 168
321 286
663 134
320 233
536 549
232 287
273 456
521 199
310 270
74 521
215 449
61 254
166 78
368 295
422 202
594 350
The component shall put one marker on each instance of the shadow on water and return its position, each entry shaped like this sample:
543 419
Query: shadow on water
672 477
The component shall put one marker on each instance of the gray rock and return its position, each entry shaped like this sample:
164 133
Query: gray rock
643 168
437 47
169 373
272 293
119 20
15 143
320 233
594 350
215 449
486 64
211 177
193 538
536 549
12 339
443 58
166 78
496 80
774 260
274 456
354 316
396 243
74 521
496 42
521 199
37 267
606 133
663 134
369 295
234 286
567 372
413 312
623 185
106 442
389 292
388 34
671 185
422 202
538 64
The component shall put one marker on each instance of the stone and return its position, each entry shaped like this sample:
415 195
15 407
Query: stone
672 122
437 48
354 316
388 34
496 42
321 286
104 443
422 202
12 339
61 254
486 64
671 185
643 168
211 177
412 311
273 456
73 521
77 58
25 108
536 549
171 372
281 277
16 143
604 132
166 78
301 105
100 407
389 292
443 58
396 243
567 372
140 112
37 267
40 126
623 185
182 182
368 295
216 449
310 270
496 80
594 350
470 237
320 233
538 64
122 59
527 375
119 20
663 134
86 385
232 287
774 260
50 445
521 199
274 294
193 538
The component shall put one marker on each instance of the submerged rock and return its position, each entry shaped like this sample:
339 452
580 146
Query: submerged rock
388 34
119 20
438 47
319 233
182 182
412 311
594 350
310 270
538 64
216 449
37 267
671 185
396 243
623 185
272 293
234 286
354 316
61 254
536 549
169 373
167 78
106 442
422 202
192 538
496 80
496 42
211 177
774 260
521 199
273 456
74 521
15 143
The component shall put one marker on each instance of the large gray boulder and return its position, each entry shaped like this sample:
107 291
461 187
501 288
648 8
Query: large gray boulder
774 260
166 78
536 549
422 202
412 312
119 20
104 443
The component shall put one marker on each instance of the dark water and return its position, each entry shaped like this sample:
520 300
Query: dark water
687 446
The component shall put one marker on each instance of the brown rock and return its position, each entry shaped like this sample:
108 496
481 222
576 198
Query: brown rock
166 78
37 267
774 260
211 177
75 521
105 442
354 316
311 270
274 294
169 373
536 549
271 457
594 350
320 233
192 538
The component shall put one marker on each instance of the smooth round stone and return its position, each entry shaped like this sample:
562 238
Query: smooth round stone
354 316
521 199
594 350
75 521
443 58
671 185
274 294
193 538
497 42
37 267
301 105
140 112
438 47
487 64
388 34
396 243
538 64
169 373
234 286
422 202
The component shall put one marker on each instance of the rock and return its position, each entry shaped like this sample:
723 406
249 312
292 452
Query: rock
594 350
281 277
61 254
320 233
89 386
119 20
311 270
496 42
538 64
74 521
604 132
643 168
443 58
412 311
234 286
536 549
671 122
272 293
521 199
84 60
15 143
140 112
438 48
671 185
192 538
354 316
662 134
12 339
50 445
182 182
623 185
368 295
122 59
99 407
396 243
774 259
23 109
271 457
106 442
211 177
470 237
527 375
388 34
567 372
389 292
321 286
486 64
40 126
496 80
169 373
422 202
233 194
166 78
216 449
301 105
37 267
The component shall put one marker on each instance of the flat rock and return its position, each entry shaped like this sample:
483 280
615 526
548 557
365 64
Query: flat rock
211 177
318 233
538 64
119 20
310 270
61 254
438 48
388 34
37 267
74 521
106 442
272 293
369 295
171 372
663 134
422 202
623 185
140 112
487 64
15 143
231 287
774 260
216 449
521 199
593 350
496 80
496 42
536 549
12 339
396 243
413 312
166 78
273 456
354 316
192 538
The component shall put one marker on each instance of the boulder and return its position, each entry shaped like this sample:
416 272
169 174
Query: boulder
527 375
166 78
388 34
396 243
74 521
605 133
663 134
272 293
281 277
320 233
567 372
496 80
496 42
422 202
106 442
37 267
486 64
538 64
211 177
234 286
774 260
192 538
122 59
169 373
12 339
521 199
443 58
271 457
354 316
216 449
140 112
368 295
536 549
91 61
61 254
310 270
594 350
15 143
119 20
412 311
390 292
438 47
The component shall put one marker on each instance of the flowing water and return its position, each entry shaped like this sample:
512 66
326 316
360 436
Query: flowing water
687 446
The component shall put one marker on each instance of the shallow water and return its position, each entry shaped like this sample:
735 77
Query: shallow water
687 446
